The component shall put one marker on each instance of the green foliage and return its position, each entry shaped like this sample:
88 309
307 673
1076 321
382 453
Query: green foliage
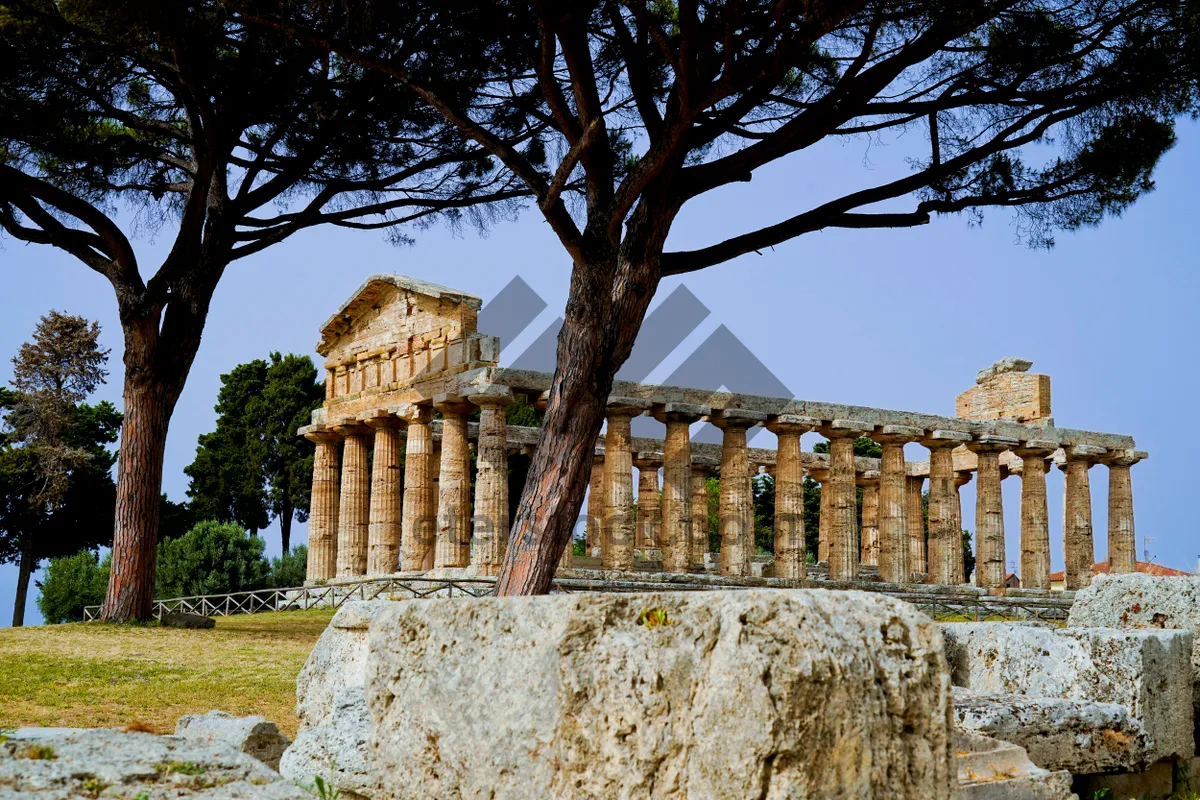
712 488
763 487
289 570
522 412
968 554
70 583
864 447
211 558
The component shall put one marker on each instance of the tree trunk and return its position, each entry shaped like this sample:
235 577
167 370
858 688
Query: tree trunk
605 308
285 526
151 391
24 571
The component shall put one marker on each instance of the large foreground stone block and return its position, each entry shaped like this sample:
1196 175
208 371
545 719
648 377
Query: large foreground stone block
332 707
1145 671
713 695
1144 601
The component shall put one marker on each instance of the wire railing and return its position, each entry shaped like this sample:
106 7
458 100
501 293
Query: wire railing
942 603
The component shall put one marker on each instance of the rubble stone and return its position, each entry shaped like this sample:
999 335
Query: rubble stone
254 736
813 694
989 769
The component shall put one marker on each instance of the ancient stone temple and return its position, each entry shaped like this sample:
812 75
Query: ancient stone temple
413 391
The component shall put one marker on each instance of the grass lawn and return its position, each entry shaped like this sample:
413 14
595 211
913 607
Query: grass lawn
90 675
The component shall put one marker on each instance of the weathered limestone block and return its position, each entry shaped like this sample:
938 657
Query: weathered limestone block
1006 390
184 619
989 769
1144 601
1078 736
713 695
1146 671
98 762
331 704
254 736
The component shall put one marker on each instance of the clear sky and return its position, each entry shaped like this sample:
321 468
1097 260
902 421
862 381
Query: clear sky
895 319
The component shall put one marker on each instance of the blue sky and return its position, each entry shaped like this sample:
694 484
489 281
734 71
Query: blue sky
897 319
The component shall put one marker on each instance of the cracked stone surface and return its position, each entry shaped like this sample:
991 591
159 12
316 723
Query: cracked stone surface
989 769
69 764
814 694
1147 672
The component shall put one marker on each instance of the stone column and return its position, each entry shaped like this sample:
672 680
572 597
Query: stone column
355 507
649 518
491 480
1078 543
453 547
894 548
990 568
676 542
1122 542
824 515
383 532
618 538
945 564
843 504
735 519
869 531
323 513
420 503
790 559
595 519
1035 518
701 469
914 520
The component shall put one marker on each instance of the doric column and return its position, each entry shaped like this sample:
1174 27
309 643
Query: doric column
869 532
789 495
735 519
453 547
1035 518
990 568
843 504
420 503
893 502
915 522
323 513
1122 542
595 518
383 532
649 519
824 515
676 542
945 564
491 480
1078 543
618 538
355 507
702 467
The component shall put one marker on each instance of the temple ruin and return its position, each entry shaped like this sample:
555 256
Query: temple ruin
406 367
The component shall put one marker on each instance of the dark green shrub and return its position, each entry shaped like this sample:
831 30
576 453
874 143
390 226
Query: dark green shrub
290 569
70 583
211 558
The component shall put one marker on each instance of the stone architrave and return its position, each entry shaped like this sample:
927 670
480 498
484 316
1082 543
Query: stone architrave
894 548
420 503
990 566
918 562
1122 543
677 515
383 531
491 481
595 517
843 503
1035 518
453 548
618 539
945 532
820 474
355 507
789 495
702 467
323 514
735 519
1078 543
713 695
869 539
649 532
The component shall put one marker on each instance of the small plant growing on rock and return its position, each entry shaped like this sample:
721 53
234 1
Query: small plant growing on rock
40 752
93 786
180 768
652 618
323 790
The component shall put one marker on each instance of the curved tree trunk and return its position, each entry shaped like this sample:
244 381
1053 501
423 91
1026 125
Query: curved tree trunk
24 571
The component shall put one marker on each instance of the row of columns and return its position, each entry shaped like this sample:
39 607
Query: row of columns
367 521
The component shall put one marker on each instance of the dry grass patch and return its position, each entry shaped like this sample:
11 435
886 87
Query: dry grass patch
90 675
